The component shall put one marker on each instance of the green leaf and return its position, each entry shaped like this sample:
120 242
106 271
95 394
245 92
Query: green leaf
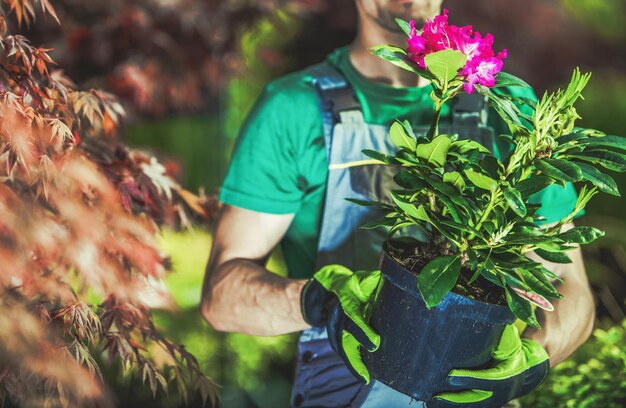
539 283
466 145
409 208
400 138
452 209
617 142
409 180
383 158
603 181
382 222
572 137
456 179
533 185
607 159
514 199
397 56
581 235
506 79
556 257
437 278
399 226
434 152
445 64
450 192
559 169
521 308
534 298
404 26
367 203
480 180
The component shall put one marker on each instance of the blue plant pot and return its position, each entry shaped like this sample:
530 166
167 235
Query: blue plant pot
419 346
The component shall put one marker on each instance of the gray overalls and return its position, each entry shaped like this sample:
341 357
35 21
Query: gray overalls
322 379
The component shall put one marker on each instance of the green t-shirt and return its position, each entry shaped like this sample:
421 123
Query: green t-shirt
280 166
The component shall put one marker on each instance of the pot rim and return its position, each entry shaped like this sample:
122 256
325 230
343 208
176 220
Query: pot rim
406 280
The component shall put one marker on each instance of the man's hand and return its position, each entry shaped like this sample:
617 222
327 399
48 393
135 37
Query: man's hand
338 298
520 365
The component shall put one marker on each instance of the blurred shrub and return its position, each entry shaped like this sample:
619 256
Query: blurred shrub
251 371
595 376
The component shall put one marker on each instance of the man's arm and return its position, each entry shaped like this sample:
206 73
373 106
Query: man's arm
238 293
570 324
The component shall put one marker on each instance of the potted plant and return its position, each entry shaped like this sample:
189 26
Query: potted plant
445 301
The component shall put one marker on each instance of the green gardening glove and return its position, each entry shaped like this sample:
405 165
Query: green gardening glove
340 299
520 365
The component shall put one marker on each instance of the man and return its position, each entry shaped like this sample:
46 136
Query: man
280 189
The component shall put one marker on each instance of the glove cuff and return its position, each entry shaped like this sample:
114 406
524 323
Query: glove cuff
313 303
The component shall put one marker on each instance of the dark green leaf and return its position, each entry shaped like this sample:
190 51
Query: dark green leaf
570 138
603 181
409 208
533 185
506 79
559 169
409 180
399 226
437 278
452 209
448 191
480 180
556 257
521 308
581 235
617 142
383 158
540 283
514 199
400 138
367 203
382 222
607 159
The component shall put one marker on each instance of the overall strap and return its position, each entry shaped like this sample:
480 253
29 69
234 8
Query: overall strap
337 98
470 110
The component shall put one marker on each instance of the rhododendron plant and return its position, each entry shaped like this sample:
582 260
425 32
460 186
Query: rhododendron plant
474 207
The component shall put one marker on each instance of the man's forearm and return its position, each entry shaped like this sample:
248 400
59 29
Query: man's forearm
242 296
570 324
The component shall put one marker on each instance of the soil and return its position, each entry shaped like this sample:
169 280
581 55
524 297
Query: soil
414 255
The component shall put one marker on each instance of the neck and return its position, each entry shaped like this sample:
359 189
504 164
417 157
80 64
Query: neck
374 68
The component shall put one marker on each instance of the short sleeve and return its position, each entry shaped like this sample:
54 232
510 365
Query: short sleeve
278 159
263 175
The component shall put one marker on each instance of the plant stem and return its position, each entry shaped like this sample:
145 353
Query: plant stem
492 203
434 124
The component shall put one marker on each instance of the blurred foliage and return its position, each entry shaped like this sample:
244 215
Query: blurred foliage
194 142
251 371
591 377
260 44
606 17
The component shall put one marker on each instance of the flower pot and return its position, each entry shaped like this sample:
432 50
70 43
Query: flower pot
420 346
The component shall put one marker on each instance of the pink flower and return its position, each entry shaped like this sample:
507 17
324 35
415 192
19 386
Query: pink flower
482 64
